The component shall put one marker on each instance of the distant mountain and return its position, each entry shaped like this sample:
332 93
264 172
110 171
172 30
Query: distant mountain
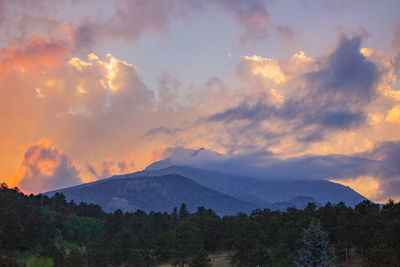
153 193
299 203
162 186
259 191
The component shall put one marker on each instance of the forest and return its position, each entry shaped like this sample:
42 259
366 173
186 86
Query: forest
36 230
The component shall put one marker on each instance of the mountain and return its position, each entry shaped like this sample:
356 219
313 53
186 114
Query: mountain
163 186
153 193
261 192
299 203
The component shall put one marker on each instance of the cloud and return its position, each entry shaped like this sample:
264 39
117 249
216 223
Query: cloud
37 53
83 35
376 172
394 114
110 167
91 170
332 95
366 186
99 107
1 11
130 20
340 102
265 67
349 76
395 45
163 130
126 166
94 103
252 16
133 18
45 167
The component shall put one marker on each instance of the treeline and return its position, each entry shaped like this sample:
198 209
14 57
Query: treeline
52 231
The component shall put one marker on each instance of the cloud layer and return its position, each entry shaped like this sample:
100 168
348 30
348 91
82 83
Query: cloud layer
378 168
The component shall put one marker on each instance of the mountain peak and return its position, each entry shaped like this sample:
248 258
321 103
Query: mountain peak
183 157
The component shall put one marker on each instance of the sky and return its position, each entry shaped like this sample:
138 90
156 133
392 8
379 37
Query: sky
296 89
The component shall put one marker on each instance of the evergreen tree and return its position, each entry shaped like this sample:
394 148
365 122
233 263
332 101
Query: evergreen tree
174 215
75 258
380 255
185 242
135 259
201 259
183 212
315 247
11 230
260 256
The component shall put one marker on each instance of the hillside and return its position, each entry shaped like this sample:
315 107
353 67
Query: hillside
154 193
260 191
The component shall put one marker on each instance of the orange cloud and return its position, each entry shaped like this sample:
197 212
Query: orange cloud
394 114
156 155
110 167
45 167
365 185
38 52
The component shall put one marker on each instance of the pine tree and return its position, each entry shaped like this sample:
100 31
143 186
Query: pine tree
183 212
315 247
201 259
135 259
174 215
186 241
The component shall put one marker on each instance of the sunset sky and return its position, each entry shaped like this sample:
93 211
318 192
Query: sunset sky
295 89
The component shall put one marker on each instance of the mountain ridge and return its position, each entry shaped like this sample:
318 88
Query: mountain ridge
264 191
247 192
156 193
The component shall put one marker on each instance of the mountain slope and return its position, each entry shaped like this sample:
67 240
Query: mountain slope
262 192
153 193
297 202
161 189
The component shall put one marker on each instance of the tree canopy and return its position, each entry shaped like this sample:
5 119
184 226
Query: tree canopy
61 233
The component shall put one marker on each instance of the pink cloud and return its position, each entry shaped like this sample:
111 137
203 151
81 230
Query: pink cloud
38 52
45 167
